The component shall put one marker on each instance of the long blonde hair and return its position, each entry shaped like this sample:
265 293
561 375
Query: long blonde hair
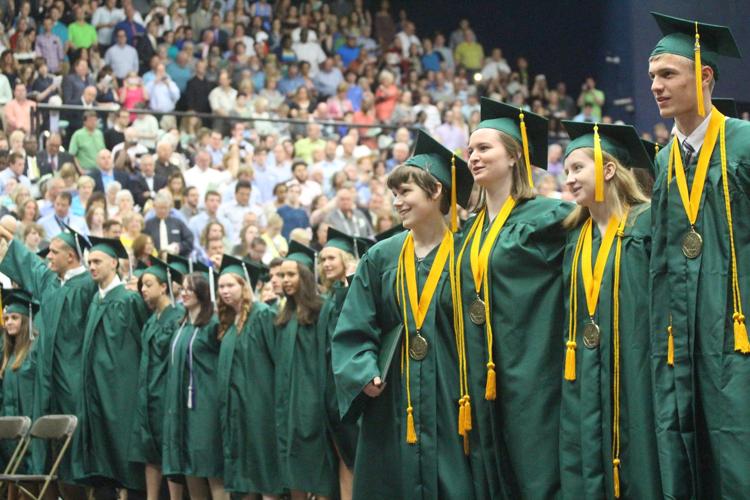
620 192
18 344
227 314
521 188
346 260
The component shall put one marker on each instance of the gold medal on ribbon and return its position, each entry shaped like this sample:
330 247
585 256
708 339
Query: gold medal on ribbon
477 311
591 335
692 244
418 347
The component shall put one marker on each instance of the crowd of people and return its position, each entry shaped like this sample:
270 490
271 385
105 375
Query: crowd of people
187 266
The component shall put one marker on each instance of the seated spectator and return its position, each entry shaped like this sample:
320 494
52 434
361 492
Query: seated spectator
170 234
146 183
95 218
14 172
104 172
85 188
276 245
347 218
56 222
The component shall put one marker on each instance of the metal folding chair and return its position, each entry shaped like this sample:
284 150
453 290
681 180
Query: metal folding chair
56 428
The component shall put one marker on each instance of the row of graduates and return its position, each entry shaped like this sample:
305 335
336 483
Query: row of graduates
544 350
190 378
553 351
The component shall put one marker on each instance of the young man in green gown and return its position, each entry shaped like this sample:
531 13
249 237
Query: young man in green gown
700 267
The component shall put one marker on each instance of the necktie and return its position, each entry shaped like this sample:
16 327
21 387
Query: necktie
689 152
163 236
33 168
53 163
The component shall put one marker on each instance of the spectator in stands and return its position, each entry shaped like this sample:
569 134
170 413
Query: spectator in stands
104 174
18 110
146 183
105 17
133 28
303 148
14 172
163 92
386 96
592 97
54 223
198 90
469 53
51 159
122 57
347 218
75 82
82 34
87 141
49 46
309 188
235 210
292 213
170 234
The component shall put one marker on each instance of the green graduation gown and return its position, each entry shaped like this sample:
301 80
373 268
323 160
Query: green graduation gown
343 434
18 396
386 466
702 409
64 311
247 405
527 320
107 403
306 458
152 379
586 412
192 435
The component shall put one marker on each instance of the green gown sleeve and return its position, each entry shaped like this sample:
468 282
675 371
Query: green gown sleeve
28 270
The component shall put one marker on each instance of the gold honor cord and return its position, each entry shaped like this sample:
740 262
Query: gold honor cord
592 281
407 276
698 72
616 361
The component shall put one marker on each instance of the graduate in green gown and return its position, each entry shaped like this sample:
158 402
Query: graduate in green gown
156 287
306 458
401 304
192 428
66 289
700 270
511 284
246 368
19 362
607 447
110 357
337 259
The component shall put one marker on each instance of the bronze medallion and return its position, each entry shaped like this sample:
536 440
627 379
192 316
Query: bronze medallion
692 244
418 347
591 335
476 312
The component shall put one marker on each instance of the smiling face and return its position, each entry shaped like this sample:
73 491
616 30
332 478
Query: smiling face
673 85
490 161
12 323
580 175
413 204
332 263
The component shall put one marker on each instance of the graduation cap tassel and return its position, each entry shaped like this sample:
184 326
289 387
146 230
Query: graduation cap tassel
670 346
598 166
2 308
31 323
525 143
454 209
169 286
211 285
698 73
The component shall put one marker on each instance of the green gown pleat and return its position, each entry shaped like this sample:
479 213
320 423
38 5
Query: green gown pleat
152 380
702 409
246 369
515 438
59 321
386 466
192 436
306 458
107 403
18 398
343 434
586 413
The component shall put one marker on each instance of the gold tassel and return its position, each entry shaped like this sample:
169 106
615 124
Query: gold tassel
698 73
411 434
741 343
525 143
598 166
467 414
454 202
570 360
490 390
461 415
466 444
616 476
670 346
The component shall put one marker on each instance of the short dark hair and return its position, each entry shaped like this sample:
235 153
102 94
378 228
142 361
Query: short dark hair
297 163
109 223
66 196
275 262
211 192
243 184
13 157
89 114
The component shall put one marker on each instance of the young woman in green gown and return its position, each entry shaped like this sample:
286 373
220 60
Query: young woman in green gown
156 287
307 460
607 445
394 352
192 429
246 380
509 265
19 360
